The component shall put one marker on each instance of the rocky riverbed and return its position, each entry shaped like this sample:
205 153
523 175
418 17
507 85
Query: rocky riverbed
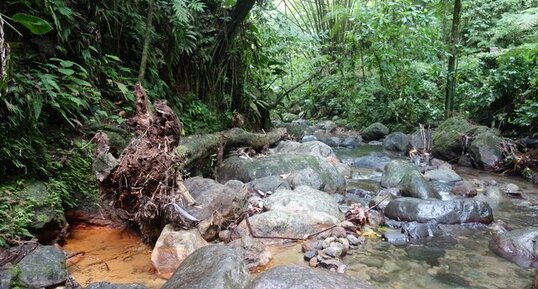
340 209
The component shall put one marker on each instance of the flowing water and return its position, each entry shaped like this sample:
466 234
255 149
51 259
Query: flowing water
460 260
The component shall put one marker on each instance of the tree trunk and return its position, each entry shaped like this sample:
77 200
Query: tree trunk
147 40
451 74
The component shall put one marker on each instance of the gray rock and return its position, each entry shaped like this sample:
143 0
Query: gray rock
43 267
6 276
273 165
309 255
305 177
312 245
330 140
519 246
213 266
253 251
421 140
351 142
396 238
316 148
464 189
308 138
303 198
108 285
419 230
375 131
269 184
397 141
428 254
297 277
444 175
235 185
335 250
455 211
413 184
354 240
296 129
486 150
370 161
394 172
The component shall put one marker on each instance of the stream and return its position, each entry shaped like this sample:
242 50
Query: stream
461 260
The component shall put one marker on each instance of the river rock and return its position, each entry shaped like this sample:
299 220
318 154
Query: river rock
443 175
375 131
396 238
370 161
7 274
213 266
280 164
455 211
316 148
296 129
308 138
397 141
108 285
449 139
394 172
43 267
464 189
519 246
269 184
297 277
486 150
413 184
253 251
303 198
172 247
218 204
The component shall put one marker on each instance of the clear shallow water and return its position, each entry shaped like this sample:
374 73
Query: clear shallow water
460 260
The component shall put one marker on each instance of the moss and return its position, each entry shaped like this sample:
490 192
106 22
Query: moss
449 138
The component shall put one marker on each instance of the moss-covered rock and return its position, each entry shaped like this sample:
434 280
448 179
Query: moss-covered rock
394 172
450 138
375 131
42 268
486 150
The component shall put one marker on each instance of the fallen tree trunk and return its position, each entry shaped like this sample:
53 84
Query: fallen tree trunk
196 149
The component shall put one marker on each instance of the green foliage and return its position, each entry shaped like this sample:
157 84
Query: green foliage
15 214
36 25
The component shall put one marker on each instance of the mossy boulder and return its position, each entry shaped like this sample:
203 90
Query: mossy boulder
413 184
451 138
394 172
324 174
375 131
42 268
486 150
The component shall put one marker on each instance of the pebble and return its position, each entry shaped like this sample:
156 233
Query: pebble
345 242
335 250
327 242
225 235
511 189
313 262
348 225
338 232
353 240
309 255
312 245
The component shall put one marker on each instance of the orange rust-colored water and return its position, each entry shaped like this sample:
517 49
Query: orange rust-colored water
107 254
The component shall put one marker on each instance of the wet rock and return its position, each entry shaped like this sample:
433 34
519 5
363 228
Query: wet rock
274 165
308 138
428 254
43 267
383 198
297 277
370 161
7 274
312 245
253 251
455 211
443 175
218 204
372 261
486 150
108 285
394 172
519 246
327 242
172 247
351 142
510 189
449 139
330 140
338 232
336 249
269 184
213 266
375 218
354 240
396 238
377 276
413 184
452 279
419 230
315 148
309 255
375 131
397 141
464 189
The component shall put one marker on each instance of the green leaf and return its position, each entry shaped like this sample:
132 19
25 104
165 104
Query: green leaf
37 103
66 71
35 24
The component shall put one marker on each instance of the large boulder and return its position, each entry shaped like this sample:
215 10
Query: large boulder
172 247
316 148
413 184
108 285
450 138
443 175
269 184
397 141
486 150
294 214
375 131
253 251
518 246
330 179
374 160
214 266
297 277
457 211
218 204
394 172
44 267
